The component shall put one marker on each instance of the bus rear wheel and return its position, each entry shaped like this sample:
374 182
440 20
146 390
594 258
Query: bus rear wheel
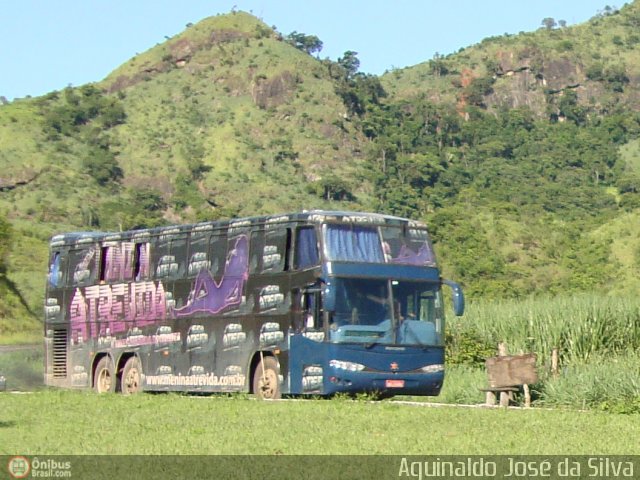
131 379
266 379
104 376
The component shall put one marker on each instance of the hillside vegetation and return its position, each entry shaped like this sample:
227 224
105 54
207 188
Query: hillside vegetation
521 151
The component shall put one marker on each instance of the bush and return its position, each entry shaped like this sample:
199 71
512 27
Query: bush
467 347
103 167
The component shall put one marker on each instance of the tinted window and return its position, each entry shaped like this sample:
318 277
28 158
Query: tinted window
218 254
56 270
306 248
83 266
198 254
274 252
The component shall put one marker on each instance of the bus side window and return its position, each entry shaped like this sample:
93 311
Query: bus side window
170 257
217 255
256 251
83 267
311 309
179 252
105 264
306 248
288 254
164 263
116 261
198 254
274 252
56 270
141 261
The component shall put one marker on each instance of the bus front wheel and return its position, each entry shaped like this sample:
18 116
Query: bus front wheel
131 376
104 377
266 379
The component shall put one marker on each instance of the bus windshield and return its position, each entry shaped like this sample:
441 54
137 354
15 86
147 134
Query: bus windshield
387 312
373 244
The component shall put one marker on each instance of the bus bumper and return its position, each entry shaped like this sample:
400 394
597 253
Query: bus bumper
428 384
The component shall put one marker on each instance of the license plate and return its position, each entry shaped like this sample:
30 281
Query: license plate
394 384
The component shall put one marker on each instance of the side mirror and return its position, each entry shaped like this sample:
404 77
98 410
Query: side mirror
458 297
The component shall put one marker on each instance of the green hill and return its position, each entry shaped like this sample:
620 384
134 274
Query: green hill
520 151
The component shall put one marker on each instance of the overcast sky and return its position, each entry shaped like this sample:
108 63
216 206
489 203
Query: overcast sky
46 45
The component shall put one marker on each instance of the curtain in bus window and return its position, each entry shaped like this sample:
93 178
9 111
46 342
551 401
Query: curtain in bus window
354 243
306 248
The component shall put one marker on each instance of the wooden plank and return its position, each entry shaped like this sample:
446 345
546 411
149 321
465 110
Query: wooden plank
499 389
510 370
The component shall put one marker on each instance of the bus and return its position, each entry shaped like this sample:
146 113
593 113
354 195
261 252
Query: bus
309 303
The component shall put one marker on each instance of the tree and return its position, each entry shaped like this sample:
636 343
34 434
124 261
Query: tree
140 207
616 76
437 65
306 43
331 187
349 61
102 165
475 92
549 23
569 107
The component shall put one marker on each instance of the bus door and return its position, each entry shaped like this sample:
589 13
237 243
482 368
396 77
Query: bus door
307 348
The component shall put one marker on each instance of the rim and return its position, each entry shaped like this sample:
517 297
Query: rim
132 381
268 384
104 380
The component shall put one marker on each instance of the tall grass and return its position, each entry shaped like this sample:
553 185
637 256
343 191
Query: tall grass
580 326
607 383
597 336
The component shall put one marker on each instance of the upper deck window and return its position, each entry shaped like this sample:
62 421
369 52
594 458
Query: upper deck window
55 270
83 266
373 244
353 243
117 261
306 254
407 246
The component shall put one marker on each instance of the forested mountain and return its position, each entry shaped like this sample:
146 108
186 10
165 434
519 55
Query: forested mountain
521 152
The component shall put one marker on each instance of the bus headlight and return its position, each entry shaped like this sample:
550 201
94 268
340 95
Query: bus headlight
349 366
438 367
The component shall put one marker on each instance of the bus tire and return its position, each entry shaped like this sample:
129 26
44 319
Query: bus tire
104 377
131 378
266 379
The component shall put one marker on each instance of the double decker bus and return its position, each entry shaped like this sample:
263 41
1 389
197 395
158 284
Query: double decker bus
315 303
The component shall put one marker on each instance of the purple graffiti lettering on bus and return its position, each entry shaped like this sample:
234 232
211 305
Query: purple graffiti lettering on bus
115 308
120 261
210 296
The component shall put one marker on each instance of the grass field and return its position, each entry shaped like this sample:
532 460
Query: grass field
69 422
56 422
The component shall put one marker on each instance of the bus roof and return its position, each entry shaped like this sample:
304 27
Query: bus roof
307 216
